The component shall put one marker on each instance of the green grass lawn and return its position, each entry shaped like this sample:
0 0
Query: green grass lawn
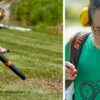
39 57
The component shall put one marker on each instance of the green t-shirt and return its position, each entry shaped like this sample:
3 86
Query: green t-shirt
87 82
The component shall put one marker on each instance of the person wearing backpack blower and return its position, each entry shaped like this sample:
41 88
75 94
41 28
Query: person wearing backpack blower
82 56
2 15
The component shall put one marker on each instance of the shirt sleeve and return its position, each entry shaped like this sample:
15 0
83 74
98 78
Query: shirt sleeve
67 51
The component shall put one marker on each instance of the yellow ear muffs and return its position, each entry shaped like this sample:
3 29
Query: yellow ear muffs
84 17
2 13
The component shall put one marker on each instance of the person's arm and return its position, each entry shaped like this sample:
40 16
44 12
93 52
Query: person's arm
3 50
70 71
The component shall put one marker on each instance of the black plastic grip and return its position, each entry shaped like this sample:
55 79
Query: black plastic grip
3 58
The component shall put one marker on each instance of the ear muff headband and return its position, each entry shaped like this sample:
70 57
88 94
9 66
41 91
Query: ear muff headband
96 3
84 17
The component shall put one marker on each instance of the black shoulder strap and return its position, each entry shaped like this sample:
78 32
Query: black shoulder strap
75 46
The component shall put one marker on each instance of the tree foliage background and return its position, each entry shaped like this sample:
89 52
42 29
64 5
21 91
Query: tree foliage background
33 12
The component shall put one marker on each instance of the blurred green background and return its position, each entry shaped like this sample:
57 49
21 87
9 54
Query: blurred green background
73 10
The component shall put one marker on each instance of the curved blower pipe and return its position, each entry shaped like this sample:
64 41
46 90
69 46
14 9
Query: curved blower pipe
9 64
